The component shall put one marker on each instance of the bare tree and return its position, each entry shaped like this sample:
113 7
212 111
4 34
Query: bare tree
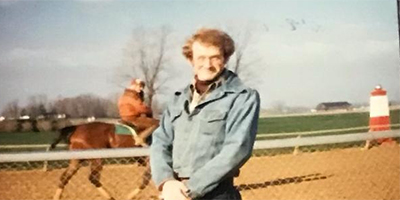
37 105
111 105
23 112
279 107
242 40
398 18
244 62
147 57
12 109
85 105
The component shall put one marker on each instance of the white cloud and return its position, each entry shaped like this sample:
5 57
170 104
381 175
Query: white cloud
353 57
338 42
23 53
5 3
104 55
91 1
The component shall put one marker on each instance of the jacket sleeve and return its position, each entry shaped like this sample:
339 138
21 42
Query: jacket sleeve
241 128
142 108
122 104
161 151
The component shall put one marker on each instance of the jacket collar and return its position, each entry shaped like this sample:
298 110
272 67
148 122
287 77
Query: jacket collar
230 84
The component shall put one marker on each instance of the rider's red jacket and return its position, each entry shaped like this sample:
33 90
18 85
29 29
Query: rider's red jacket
131 105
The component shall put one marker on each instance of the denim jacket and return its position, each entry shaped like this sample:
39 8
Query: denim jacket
209 144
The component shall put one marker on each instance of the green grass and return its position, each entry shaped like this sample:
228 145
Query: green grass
318 122
26 138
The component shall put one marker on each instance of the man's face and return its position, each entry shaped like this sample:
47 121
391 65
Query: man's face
136 87
207 62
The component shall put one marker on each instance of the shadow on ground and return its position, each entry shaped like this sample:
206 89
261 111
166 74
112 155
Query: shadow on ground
283 181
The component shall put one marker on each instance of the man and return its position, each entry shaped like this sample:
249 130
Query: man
207 132
134 112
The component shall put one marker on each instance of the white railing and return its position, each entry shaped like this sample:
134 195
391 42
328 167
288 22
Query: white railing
137 152
29 146
76 154
329 139
303 133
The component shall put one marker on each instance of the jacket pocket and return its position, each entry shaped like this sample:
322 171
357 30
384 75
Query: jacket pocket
214 115
213 122
211 132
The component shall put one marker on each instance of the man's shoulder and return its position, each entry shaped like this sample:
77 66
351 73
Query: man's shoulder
182 91
177 96
235 84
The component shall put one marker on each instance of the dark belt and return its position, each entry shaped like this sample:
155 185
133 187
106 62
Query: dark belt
226 182
182 178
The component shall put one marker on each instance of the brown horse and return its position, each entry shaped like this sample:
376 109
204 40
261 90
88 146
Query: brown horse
95 135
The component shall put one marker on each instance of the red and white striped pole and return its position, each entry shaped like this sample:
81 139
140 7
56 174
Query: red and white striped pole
379 117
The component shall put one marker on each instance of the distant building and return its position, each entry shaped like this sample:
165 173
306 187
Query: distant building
334 106
91 119
24 117
52 116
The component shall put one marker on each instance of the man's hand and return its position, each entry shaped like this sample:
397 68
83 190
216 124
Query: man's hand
174 190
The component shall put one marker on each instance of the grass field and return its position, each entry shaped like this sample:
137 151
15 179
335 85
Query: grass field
318 122
266 126
26 138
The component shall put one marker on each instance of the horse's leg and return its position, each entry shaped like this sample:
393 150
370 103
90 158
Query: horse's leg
94 177
144 182
73 167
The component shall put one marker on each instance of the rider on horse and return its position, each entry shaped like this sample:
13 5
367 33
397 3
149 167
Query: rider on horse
134 112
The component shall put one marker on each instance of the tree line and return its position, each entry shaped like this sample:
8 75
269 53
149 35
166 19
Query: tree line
85 105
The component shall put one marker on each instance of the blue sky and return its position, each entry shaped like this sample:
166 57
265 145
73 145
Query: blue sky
307 51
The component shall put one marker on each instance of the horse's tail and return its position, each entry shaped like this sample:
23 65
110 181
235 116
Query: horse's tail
64 134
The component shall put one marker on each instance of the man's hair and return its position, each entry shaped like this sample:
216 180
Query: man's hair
213 37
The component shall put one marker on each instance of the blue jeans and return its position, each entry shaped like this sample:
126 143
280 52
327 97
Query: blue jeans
225 191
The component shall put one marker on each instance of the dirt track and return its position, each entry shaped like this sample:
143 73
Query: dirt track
337 174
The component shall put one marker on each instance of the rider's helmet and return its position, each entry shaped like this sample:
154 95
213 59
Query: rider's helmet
137 81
